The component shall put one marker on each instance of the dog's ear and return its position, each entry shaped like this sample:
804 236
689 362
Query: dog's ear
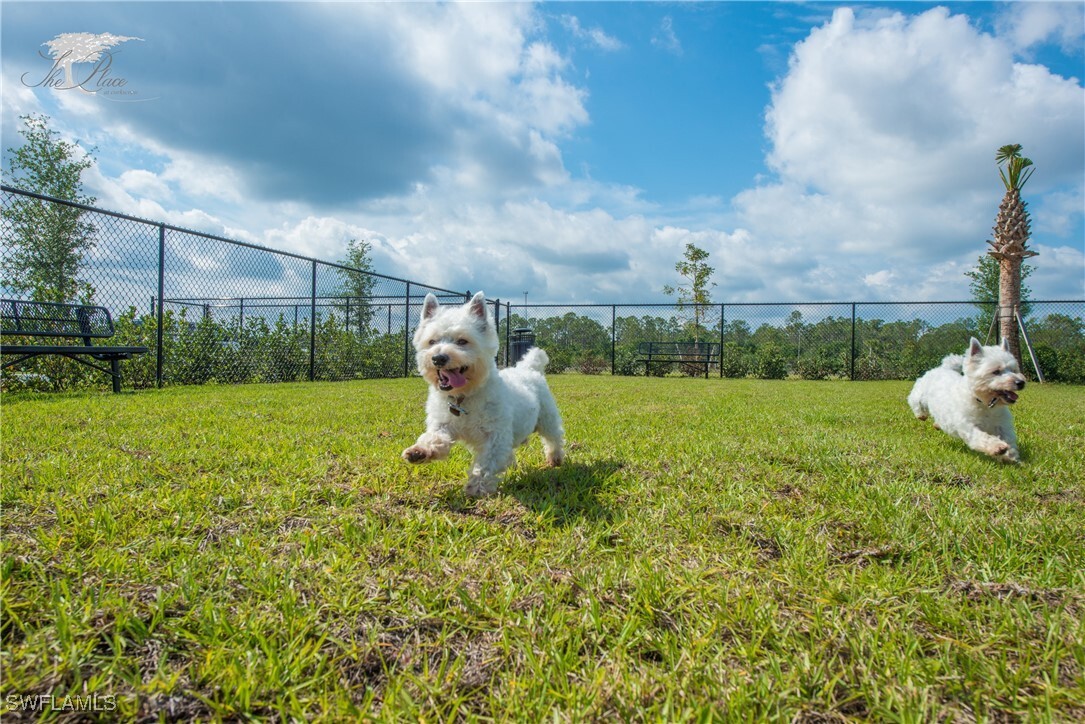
1005 344
430 307
477 306
974 348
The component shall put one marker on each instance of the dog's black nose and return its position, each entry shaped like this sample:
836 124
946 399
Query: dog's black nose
440 360
1020 384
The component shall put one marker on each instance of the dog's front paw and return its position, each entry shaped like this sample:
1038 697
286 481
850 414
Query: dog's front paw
1010 455
1003 451
416 454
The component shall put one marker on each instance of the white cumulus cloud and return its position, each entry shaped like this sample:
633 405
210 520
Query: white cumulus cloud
883 134
1026 24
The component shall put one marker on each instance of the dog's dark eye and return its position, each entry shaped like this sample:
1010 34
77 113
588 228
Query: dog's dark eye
461 342
431 343
997 372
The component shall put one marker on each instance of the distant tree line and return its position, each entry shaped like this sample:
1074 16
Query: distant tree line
799 349
201 348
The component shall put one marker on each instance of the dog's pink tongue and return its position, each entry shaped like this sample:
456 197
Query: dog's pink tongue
453 378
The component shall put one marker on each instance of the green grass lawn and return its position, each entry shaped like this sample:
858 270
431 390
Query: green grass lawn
739 550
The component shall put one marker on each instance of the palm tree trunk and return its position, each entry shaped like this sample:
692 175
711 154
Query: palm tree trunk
1009 299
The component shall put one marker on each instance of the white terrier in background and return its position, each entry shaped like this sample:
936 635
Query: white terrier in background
491 412
969 396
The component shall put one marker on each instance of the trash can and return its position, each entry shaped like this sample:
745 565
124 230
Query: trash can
523 339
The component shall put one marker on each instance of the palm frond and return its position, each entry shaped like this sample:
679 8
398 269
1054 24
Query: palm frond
1025 163
1008 152
1015 164
1005 181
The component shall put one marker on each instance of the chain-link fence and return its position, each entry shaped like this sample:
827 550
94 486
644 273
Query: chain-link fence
216 310
845 340
209 309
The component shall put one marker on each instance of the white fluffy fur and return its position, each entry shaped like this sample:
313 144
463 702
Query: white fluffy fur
498 411
968 397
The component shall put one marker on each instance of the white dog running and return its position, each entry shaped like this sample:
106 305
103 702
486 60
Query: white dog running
968 397
491 412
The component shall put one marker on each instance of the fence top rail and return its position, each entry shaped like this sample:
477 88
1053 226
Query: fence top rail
712 305
335 300
214 237
289 301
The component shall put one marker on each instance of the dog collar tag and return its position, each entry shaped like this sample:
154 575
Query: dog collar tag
454 405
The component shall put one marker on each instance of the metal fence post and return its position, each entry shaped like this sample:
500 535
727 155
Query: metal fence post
312 327
613 338
723 317
851 373
407 330
497 320
161 306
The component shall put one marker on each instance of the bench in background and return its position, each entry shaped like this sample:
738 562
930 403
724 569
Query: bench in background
19 318
694 355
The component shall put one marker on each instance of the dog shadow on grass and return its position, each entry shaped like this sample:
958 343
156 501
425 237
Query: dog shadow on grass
563 495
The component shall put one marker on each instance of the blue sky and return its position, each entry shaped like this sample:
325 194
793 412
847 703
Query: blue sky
817 151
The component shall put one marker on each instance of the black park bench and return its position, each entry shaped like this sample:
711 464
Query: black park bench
54 321
691 355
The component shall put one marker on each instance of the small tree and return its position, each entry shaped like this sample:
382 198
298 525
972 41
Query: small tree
357 286
45 242
695 290
1011 234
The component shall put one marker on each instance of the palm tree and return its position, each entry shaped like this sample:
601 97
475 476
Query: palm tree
1011 237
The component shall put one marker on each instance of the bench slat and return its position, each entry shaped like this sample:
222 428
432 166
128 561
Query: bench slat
52 319
689 353
93 350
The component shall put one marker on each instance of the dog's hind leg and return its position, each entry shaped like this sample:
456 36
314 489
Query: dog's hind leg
492 458
918 404
551 431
